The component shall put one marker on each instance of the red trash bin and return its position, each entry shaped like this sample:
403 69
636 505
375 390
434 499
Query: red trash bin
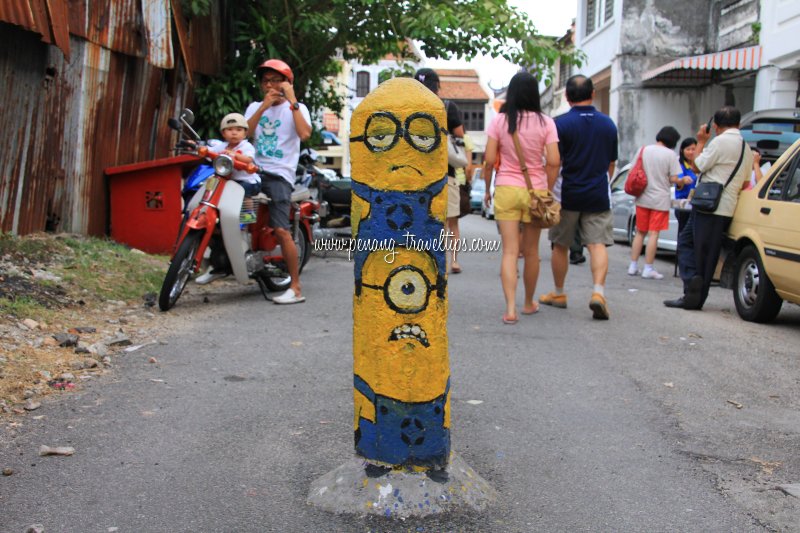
145 202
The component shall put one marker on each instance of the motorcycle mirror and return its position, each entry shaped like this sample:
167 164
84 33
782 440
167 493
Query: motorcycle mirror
187 116
174 124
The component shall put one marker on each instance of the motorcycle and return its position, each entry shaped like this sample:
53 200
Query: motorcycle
215 210
332 190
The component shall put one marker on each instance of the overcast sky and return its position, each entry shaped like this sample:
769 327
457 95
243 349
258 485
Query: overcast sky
551 17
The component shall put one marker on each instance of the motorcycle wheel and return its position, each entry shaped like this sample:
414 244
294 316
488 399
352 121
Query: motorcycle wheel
180 269
281 283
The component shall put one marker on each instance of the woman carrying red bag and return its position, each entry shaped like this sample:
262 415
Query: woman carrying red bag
661 166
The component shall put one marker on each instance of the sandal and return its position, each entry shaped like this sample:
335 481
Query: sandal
455 269
509 320
533 312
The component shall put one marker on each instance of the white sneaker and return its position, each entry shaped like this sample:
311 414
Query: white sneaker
633 270
652 274
208 277
289 297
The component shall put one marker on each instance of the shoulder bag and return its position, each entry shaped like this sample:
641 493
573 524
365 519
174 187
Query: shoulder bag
545 210
456 153
707 194
637 178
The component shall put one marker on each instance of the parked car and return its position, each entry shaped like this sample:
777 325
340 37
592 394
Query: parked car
476 194
772 131
762 263
623 210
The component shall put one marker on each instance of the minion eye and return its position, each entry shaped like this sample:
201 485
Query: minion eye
381 133
422 133
407 290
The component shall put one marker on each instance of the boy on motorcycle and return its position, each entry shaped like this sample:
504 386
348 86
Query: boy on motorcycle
235 144
279 123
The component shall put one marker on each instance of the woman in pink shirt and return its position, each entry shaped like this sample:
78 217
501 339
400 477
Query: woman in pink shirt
521 113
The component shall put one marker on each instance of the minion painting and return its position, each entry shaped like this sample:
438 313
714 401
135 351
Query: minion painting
400 355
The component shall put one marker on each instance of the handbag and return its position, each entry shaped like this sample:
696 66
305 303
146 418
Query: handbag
545 210
464 200
456 153
708 194
637 178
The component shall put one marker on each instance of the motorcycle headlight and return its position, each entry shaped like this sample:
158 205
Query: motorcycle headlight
223 165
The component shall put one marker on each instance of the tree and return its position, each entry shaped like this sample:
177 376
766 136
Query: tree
311 34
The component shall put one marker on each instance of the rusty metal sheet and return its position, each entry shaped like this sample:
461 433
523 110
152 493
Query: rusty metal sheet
59 25
103 102
48 18
206 41
157 16
67 124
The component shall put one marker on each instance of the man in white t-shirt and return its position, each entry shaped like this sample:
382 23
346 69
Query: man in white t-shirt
662 168
279 123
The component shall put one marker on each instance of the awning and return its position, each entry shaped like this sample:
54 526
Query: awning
701 70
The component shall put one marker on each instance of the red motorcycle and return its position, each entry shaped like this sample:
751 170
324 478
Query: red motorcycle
252 248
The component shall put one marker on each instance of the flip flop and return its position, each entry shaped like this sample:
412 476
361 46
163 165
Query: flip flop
455 269
509 321
535 310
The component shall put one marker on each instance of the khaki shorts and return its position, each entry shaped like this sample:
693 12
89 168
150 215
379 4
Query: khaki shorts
453 198
594 228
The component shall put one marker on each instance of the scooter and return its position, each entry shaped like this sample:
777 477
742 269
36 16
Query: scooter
252 249
332 191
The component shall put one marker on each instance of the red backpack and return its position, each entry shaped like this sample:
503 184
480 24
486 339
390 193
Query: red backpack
637 179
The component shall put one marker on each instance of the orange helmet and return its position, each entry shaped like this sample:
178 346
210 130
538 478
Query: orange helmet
276 65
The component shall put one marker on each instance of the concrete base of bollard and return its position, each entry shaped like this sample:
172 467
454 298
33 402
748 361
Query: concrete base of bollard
360 487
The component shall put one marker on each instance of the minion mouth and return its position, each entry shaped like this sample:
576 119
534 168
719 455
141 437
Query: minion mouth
410 331
398 167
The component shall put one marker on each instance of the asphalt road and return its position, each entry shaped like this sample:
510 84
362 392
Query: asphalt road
625 425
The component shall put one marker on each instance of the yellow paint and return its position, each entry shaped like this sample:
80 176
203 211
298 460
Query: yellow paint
403 369
398 143
401 168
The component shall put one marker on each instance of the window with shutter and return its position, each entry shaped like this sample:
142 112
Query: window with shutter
590 15
609 11
362 84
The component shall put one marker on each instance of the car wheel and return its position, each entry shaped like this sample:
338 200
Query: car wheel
631 230
753 292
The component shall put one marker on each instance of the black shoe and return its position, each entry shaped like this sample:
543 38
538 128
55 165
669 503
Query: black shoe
576 258
693 299
677 303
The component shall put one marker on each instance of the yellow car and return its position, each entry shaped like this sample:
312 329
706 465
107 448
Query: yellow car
762 265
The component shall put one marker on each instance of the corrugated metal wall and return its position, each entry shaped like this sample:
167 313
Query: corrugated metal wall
101 98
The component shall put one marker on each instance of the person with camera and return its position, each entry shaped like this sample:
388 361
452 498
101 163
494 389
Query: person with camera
279 123
725 160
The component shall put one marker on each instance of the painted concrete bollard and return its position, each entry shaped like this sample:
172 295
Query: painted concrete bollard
398 151
403 464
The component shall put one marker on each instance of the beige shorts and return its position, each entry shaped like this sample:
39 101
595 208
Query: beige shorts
453 198
593 228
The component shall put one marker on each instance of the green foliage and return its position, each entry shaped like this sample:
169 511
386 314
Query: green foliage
756 29
310 34
23 307
111 270
196 8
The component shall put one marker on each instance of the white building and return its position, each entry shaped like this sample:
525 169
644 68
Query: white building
674 63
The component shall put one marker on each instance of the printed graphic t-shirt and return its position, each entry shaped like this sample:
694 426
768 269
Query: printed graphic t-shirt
276 140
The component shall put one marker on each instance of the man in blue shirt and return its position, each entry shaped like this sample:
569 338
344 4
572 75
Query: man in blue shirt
588 146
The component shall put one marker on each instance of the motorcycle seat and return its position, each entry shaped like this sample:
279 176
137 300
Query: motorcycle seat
300 194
